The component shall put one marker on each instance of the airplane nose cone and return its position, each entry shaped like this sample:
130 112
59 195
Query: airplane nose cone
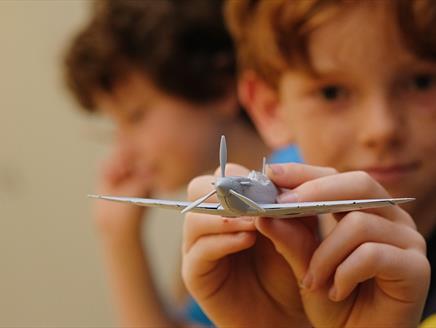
223 186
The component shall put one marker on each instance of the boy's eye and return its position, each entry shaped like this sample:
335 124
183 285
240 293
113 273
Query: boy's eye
135 116
422 82
332 92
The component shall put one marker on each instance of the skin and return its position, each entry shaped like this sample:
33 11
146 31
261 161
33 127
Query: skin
373 115
388 103
149 127
149 156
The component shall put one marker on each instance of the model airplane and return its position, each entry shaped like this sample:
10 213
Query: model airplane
254 195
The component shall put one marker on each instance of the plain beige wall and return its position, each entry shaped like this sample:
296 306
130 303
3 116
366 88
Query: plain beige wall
51 273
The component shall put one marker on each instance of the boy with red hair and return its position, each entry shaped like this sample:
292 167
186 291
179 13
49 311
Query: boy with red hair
353 84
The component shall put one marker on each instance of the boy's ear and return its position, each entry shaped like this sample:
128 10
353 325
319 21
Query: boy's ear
262 104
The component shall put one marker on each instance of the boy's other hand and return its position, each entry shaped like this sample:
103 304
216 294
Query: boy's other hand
370 270
234 272
121 176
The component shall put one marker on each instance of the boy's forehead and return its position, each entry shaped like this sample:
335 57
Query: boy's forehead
363 34
125 93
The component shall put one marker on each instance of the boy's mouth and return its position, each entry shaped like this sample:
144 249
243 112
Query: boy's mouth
393 172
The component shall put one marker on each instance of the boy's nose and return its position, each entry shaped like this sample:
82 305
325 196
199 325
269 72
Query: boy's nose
381 124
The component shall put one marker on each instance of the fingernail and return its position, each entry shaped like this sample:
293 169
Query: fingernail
276 169
333 294
287 197
307 281
247 218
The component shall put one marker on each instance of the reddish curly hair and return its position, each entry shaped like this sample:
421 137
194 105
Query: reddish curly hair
272 35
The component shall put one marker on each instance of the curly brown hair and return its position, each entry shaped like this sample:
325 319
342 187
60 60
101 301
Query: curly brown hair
272 35
182 46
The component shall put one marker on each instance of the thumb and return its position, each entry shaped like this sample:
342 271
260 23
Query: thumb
294 239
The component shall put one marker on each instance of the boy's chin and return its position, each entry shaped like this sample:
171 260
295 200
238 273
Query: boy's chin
388 180
404 189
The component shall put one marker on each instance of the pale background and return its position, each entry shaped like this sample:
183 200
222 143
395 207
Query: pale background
51 272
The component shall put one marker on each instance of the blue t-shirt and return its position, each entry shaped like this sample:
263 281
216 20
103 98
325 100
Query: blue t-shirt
192 311
286 155
194 314
430 305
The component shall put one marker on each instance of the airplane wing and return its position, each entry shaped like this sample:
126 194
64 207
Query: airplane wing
285 210
292 210
206 208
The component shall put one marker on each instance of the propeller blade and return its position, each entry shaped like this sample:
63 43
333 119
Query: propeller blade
264 165
198 202
223 156
247 201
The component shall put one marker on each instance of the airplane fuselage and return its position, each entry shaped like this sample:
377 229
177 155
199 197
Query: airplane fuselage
257 187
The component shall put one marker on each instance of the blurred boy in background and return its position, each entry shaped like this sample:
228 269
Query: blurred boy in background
164 73
354 85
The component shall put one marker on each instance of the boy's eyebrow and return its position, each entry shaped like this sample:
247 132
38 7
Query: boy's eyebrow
417 64
324 67
326 73
135 108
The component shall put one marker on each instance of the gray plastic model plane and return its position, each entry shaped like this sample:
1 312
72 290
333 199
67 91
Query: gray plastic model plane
254 195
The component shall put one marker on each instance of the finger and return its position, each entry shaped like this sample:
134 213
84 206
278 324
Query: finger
291 175
347 186
122 165
275 273
200 186
355 229
233 170
113 171
391 266
294 239
197 225
203 256
122 158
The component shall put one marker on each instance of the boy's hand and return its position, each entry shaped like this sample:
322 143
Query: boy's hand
120 176
234 272
370 271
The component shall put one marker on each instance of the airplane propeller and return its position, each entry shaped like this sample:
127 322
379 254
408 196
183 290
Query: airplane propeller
223 156
198 201
223 162
247 200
